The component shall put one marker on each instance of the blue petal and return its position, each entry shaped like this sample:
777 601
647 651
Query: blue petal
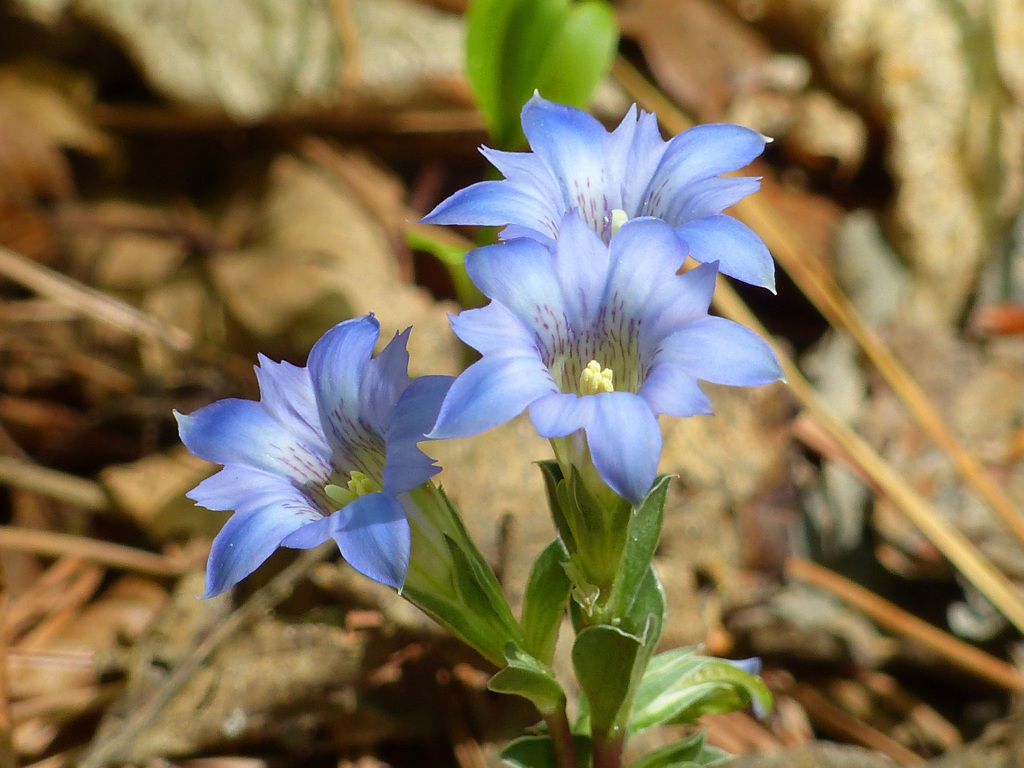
668 390
558 415
234 487
711 196
737 248
492 329
625 443
720 351
676 302
385 379
513 231
495 204
572 142
242 432
696 154
414 415
250 537
643 158
530 174
490 392
372 533
581 269
521 275
644 255
338 364
286 393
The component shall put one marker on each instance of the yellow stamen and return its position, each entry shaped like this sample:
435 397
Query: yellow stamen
358 485
594 379
619 217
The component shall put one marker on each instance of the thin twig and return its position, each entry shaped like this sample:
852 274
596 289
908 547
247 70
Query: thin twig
895 619
103 552
90 302
276 590
820 288
76 491
953 544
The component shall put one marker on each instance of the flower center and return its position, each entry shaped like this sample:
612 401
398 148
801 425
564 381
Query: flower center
619 217
595 379
358 485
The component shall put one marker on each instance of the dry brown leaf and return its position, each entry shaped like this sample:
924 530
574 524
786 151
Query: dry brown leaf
701 54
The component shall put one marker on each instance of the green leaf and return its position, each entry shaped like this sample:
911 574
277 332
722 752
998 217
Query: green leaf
527 677
514 47
547 593
679 686
608 664
538 752
641 543
648 603
684 751
579 54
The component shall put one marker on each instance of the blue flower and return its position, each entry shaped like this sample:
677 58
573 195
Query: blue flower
328 452
597 339
614 177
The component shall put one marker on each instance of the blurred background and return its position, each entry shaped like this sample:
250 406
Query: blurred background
184 183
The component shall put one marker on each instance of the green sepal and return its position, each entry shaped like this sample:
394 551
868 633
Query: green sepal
641 543
679 686
527 677
691 752
609 665
469 601
481 593
539 752
547 593
557 493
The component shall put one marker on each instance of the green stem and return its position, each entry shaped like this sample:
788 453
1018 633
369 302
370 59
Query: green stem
561 739
608 748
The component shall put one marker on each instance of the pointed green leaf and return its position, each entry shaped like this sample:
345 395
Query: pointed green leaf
648 603
527 677
641 544
547 593
609 664
680 686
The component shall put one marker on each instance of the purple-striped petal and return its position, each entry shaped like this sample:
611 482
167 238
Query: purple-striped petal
571 142
492 329
372 533
248 538
711 196
242 432
699 153
521 275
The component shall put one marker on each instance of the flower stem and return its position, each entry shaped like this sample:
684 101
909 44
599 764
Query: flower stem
561 739
608 749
